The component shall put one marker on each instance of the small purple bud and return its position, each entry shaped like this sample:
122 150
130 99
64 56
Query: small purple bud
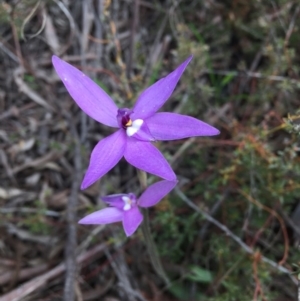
123 118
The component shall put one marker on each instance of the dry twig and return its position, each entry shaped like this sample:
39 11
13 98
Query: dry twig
70 256
29 287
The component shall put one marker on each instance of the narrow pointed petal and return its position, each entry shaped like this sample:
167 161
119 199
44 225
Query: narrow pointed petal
131 220
156 95
145 156
171 126
103 216
115 200
154 193
106 154
88 95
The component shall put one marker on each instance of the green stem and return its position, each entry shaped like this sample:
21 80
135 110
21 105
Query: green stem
150 244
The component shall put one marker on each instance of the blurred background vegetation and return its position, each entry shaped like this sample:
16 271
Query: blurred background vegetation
231 229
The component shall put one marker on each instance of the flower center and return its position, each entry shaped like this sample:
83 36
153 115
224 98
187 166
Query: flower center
123 118
129 202
124 121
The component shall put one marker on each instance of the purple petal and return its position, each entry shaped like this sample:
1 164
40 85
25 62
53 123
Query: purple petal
145 156
156 95
143 133
171 126
131 220
106 154
154 193
103 216
115 200
88 95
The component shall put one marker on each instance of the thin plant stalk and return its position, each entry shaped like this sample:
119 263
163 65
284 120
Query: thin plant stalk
150 244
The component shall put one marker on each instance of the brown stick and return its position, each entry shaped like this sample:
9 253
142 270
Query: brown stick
24 273
134 25
70 249
32 285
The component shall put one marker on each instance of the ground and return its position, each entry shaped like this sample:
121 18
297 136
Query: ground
230 230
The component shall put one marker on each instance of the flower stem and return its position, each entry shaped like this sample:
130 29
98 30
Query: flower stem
151 247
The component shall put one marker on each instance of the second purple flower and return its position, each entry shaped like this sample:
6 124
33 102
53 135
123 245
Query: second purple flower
125 207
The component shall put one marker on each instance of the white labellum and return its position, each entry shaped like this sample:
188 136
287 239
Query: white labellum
127 201
134 128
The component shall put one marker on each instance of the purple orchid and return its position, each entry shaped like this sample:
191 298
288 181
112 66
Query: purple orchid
137 127
125 207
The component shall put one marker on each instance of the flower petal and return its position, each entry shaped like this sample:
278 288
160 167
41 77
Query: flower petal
131 220
115 200
103 216
156 95
171 126
106 154
154 193
147 157
88 95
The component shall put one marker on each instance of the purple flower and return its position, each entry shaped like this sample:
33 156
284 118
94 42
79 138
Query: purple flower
136 127
125 207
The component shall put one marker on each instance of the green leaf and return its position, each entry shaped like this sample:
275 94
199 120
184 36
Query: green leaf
227 79
200 275
181 292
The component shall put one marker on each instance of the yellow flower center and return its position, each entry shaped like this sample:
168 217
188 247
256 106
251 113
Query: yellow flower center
129 123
